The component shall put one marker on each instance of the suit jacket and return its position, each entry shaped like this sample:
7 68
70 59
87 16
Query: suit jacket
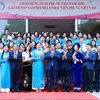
89 62
67 63
15 62
52 60
97 62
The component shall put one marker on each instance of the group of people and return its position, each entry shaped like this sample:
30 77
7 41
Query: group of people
37 60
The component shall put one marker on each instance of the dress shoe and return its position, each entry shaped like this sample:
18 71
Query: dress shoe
97 90
90 90
75 90
86 89
26 91
13 90
63 90
49 90
78 90
56 90
68 90
17 90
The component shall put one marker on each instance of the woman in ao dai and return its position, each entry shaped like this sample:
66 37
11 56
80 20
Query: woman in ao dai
5 70
77 68
38 69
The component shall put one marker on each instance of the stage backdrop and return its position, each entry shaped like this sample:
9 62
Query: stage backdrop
58 9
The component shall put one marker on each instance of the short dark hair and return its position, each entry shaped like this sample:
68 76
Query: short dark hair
69 40
88 44
51 45
16 45
6 29
38 43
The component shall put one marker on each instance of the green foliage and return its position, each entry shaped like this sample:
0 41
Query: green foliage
91 26
16 26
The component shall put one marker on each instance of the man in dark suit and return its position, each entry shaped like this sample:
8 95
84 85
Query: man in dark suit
97 69
15 57
52 67
88 66
66 68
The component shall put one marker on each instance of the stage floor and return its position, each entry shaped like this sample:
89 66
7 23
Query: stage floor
49 96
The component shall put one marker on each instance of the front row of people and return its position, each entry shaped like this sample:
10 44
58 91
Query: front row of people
69 66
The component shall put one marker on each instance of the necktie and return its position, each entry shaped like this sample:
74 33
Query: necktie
64 52
99 54
15 53
87 54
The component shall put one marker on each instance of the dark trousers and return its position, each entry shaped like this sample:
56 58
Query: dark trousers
65 78
27 78
97 78
15 78
87 77
27 70
52 74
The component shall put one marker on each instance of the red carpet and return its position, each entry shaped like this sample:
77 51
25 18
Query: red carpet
47 96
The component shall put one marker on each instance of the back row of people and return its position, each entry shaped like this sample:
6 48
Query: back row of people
48 38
